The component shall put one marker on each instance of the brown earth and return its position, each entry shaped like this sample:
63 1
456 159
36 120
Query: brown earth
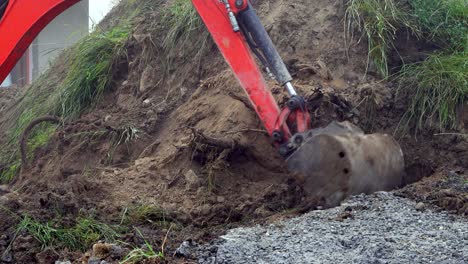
141 146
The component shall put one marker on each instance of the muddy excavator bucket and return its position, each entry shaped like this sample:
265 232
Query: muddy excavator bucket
340 160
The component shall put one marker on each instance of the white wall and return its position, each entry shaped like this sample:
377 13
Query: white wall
6 82
65 30
98 9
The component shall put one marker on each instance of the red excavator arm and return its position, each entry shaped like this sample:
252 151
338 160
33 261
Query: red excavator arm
241 37
20 24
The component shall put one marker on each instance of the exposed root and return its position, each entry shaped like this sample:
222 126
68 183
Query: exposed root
222 143
24 136
219 164
242 99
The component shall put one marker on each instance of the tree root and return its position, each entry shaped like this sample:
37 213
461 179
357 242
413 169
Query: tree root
24 136
222 143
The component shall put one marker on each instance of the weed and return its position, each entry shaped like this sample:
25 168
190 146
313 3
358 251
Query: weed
145 253
379 21
438 86
125 135
121 136
79 237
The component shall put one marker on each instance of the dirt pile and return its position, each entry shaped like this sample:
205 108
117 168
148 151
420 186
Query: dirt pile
149 142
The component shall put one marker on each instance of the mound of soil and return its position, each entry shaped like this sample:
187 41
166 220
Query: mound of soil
155 139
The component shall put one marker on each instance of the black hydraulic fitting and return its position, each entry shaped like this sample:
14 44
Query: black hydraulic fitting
278 136
239 3
296 102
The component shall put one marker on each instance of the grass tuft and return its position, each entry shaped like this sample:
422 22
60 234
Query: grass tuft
145 253
148 214
379 21
8 173
181 18
90 71
438 86
444 22
81 236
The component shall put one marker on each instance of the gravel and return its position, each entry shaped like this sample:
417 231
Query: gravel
380 228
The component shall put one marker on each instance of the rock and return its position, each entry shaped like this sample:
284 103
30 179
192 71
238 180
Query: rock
322 70
147 102
97 261
3 189
202 191
162 108
205 209
141 37
187 203
420 206
146 80
94 261
7 257
150 112
117 252
192 181
125 83
107 118
262 211
220 199
185 249
63 262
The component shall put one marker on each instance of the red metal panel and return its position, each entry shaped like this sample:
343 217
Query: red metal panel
22 22
237 53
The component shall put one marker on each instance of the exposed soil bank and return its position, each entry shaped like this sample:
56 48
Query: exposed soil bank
205 190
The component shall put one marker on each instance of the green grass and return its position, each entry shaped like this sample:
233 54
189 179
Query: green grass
81 236
181 18
41 136
145 253
91 71
445 22
438 86
379 21
186 37
9 172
